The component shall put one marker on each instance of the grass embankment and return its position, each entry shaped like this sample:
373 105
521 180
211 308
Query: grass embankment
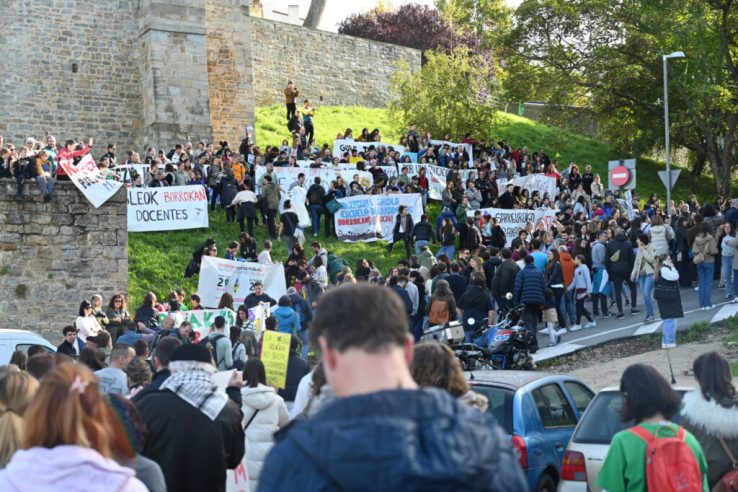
157 259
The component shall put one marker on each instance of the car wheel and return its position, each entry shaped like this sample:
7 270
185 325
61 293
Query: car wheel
546 484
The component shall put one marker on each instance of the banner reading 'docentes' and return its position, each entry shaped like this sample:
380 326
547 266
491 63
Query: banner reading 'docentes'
167 209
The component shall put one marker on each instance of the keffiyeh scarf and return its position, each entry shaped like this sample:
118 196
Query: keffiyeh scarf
193 382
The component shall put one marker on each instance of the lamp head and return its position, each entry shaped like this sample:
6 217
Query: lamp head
676 54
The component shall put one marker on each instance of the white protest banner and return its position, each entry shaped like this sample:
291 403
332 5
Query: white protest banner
201 319
288 175
533 182
468 147
237 480
436 177
512 221
167 209
90 181
219 276
125 170
371 217
341 146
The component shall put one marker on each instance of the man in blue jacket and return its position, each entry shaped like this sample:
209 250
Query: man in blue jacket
383 432
530 289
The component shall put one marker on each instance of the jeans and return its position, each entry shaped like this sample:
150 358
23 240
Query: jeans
315 212
449 250
646 283
47 185
214 196
558 295
568 306
291 108
419 244
230 213
250 221
704 283
531 315
735 283
727 265
668 336
305 337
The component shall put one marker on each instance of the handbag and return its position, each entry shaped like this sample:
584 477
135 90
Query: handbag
698 258
333 206
729 481
665 290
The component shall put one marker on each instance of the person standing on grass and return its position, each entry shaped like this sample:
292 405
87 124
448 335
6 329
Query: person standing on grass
308 113
290 98
402 231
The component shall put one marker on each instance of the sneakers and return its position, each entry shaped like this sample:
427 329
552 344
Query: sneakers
606 316
575 328
668 345
553 343
591 324
621 315
735 301
634 311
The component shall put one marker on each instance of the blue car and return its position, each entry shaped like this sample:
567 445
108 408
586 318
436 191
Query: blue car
539 413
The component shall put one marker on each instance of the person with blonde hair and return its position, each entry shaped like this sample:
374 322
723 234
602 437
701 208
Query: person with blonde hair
68 439
16 392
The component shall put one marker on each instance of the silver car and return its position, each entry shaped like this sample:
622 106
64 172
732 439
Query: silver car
588 446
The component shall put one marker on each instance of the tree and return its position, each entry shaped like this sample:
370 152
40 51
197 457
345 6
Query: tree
412 25
315 12
608 55
449 94
490 20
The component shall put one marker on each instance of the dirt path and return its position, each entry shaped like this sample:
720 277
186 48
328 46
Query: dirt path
602 366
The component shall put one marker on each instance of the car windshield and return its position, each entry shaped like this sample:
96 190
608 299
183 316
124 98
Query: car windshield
602 419
500 404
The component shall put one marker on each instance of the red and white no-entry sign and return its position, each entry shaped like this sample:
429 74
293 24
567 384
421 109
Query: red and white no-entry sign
619 176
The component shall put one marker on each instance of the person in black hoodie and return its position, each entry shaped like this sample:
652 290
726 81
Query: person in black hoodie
619 259
476 304
490 265
457 282
507 200
422 234
503 283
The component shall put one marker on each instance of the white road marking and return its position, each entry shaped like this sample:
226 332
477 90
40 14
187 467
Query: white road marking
556 351
725 312
649 328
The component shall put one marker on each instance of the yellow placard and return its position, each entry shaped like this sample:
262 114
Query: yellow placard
275 351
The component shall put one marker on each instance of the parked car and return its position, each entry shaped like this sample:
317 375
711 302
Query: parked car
12 340
588 447
539 413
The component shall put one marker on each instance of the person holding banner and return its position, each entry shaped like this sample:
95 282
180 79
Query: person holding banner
68 153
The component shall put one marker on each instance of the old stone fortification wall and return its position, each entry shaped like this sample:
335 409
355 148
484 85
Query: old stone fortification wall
345 70
53 255
153 72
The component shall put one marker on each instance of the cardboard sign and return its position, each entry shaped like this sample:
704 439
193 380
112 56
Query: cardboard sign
275 351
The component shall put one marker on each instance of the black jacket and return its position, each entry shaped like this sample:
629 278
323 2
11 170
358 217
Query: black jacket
296 370
408 230
423 231
506 201
624 264
156 382
458 283
504 279
192 450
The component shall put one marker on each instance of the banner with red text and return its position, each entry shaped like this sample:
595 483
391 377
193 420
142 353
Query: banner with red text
219 276
371 217
90 181
167 209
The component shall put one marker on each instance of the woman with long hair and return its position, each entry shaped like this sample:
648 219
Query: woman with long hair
86 323
711 414
69 437
93 358
651 403
117 313
704 250
644 268
147 312
98 310
264 413
447 239
555 282
435 365
17 389
442 306
226 301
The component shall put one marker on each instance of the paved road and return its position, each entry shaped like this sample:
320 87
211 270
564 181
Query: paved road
632 325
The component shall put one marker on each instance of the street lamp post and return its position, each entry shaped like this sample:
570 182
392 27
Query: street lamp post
665 58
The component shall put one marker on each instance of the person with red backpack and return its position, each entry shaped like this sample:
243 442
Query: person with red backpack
655 454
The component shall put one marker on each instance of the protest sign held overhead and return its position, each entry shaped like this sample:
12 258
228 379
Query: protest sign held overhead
436 177
89 180
467 147
533 182
288 175
371 217
167 209
275 351
512 221
218 276
341 146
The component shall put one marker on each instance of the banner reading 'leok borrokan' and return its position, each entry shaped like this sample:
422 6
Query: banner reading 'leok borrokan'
219 276
371 217
512 221
167 209
90 181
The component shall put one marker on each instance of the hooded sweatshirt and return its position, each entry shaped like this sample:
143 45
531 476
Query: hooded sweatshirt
567 267
287 319
66 467
271 415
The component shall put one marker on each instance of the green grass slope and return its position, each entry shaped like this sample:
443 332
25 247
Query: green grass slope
157 260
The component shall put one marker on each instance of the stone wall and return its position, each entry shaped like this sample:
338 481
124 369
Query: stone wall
345 70
53 255
39 42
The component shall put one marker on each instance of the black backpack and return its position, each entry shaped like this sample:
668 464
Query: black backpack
237 364
498 237
210 344
471 240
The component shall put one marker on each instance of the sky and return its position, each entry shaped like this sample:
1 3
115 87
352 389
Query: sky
337 10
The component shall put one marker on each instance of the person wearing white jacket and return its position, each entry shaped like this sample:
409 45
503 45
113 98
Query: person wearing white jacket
264 413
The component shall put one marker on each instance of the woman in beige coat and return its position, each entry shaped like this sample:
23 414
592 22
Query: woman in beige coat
643 269
704 251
